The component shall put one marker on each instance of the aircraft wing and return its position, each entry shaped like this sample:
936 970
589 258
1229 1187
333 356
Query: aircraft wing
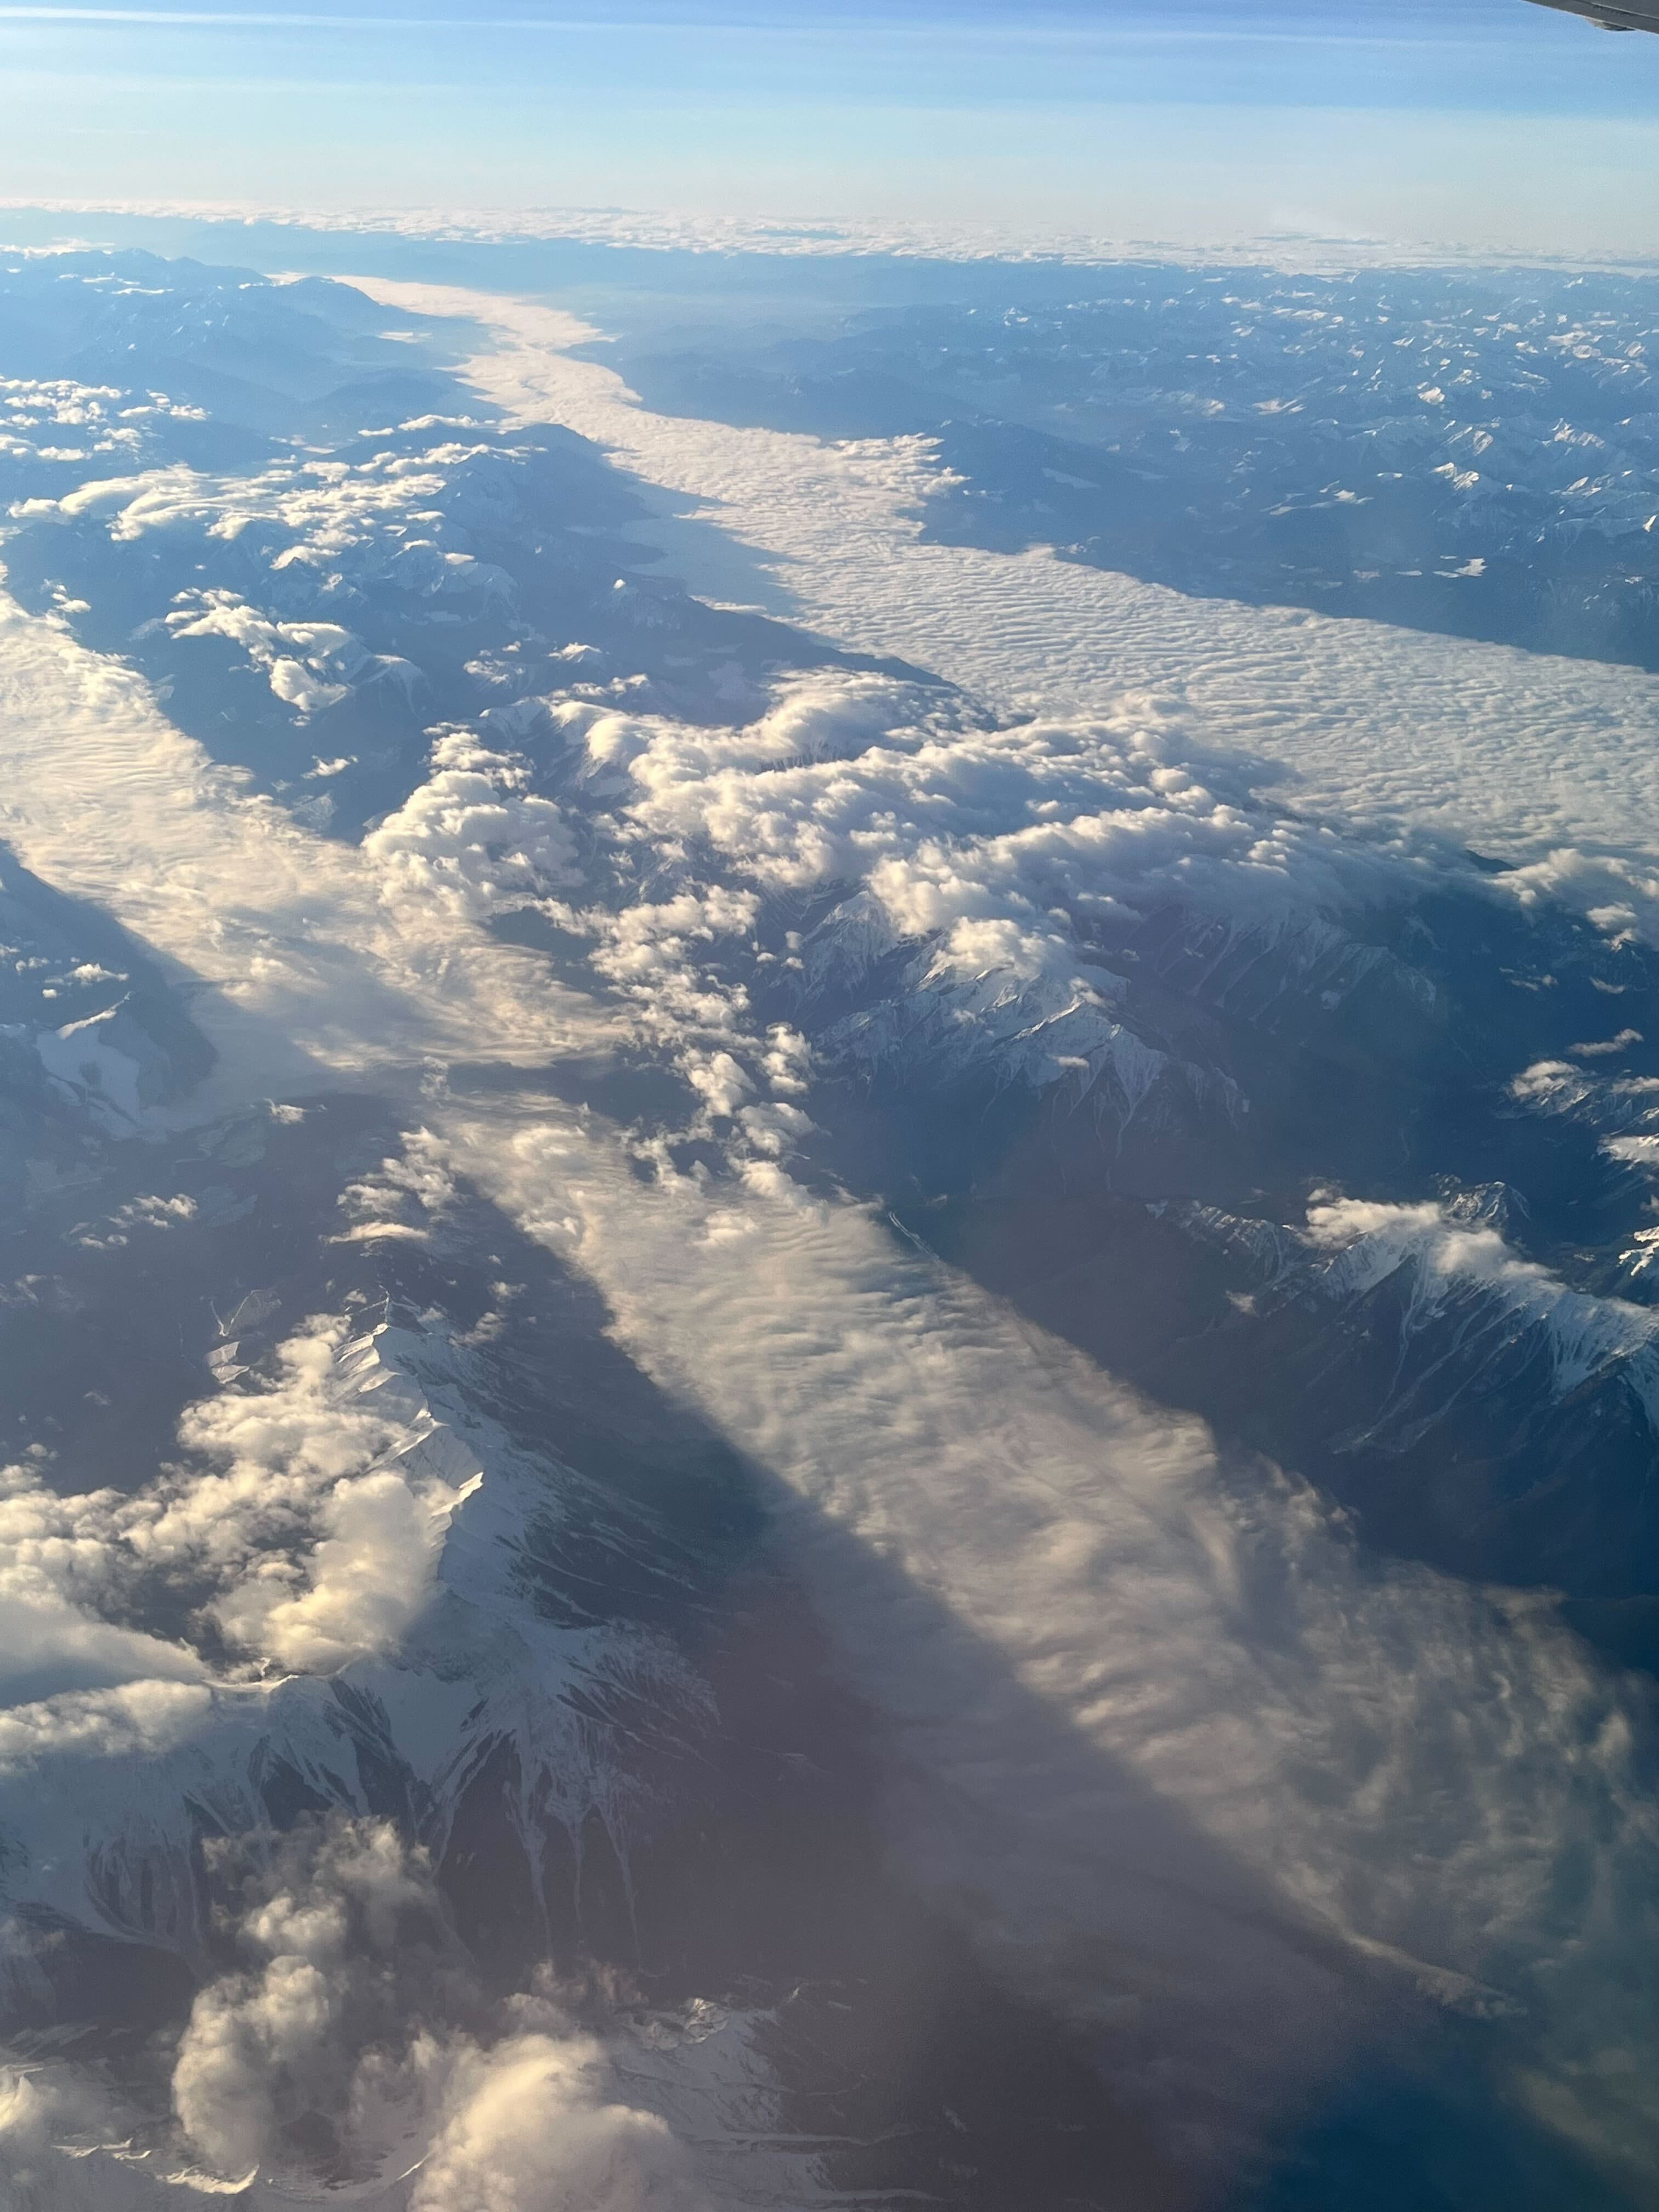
1613 15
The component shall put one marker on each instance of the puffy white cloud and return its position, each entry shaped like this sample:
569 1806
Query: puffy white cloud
1617 892
324 1511
153 1212
946 814
338 1929
137 1718
61 423
309 1520
382 519
408 1192
341 2020
532 2127
318 970
359 1587
472 838
1612 1048
1624 1108
1008 859
1179 1758
60 1563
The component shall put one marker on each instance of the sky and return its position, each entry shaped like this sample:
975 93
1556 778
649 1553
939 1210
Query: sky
1483 123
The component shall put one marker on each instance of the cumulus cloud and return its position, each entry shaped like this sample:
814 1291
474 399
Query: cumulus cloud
341 1936
1623 1110
137 1718
357 1588
850 780
53 424
150 1213
406 1194
1617 894
349 2040
1611 1048
531 2128
472 837
971 881
992 847
325 1507
57 1571
315 963
380 519
306 1522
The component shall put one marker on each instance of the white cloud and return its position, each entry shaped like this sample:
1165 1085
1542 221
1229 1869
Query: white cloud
1607 1047
1181 1761
317 970
359 1587
1545 762
315 1513
59 1566
1623 1110
472 837
531 2128
137 1720
325 1512
343 2013
1619 893
63 423
823 236
114 1230
330 1971
378 519
1006 860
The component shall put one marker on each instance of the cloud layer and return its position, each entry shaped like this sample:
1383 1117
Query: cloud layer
1254 1742
1540 761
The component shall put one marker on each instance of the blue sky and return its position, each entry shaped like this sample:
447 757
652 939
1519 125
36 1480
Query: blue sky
1482 122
